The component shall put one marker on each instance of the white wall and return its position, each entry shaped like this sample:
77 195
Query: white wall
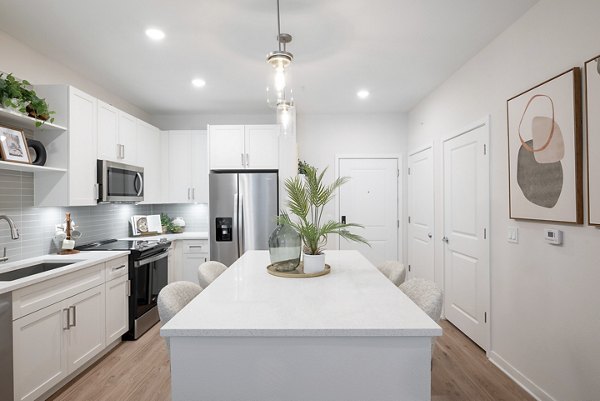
26 63
199 121
545 320
323 136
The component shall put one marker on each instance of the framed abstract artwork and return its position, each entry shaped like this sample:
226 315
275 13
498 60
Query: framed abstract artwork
545 151
592 97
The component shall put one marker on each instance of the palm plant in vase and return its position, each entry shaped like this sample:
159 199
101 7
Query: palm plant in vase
308 197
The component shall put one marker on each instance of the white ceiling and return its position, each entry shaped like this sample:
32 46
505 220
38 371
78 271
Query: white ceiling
398 49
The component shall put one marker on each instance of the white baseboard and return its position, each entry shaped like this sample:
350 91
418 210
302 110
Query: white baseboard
519 378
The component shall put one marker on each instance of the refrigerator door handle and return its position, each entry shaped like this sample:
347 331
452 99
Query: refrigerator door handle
236 228
241 242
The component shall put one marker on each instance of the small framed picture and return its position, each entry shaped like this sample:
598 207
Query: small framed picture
13 146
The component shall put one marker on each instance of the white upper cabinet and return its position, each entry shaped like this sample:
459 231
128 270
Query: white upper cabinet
226 147
108 132
149 157
180 167
262 147
199 166
82 149
186 175
117 135
238 147
128 138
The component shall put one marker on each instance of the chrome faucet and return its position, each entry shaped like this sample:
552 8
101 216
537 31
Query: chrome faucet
14 231
14 234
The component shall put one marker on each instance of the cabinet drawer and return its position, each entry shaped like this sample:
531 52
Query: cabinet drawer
195 246
117 268
37 296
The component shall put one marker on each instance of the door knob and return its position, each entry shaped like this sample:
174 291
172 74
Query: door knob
429 235
445 239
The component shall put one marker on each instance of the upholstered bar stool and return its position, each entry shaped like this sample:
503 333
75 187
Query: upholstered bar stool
209 271
394 271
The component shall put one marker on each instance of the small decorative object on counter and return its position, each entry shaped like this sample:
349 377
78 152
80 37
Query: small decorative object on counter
177 225
285 246
68 243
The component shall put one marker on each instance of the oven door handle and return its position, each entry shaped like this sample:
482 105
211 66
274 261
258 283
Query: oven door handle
151 259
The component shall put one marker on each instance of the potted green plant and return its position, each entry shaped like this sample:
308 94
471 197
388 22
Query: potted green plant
308 197
20 96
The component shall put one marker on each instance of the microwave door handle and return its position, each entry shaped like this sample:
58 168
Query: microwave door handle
141 179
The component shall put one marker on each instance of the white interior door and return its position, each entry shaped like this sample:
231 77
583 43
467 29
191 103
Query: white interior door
370 198
420 215
466 222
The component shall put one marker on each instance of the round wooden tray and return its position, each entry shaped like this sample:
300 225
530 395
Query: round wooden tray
299 272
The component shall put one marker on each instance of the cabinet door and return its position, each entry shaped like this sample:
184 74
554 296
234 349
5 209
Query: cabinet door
191 263
149 158
39 352
180 167
82 148
128 138
85 338
108 132
262 147
226 147
117 308
199 166
175 263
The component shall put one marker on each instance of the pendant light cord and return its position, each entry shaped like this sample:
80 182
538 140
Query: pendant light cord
278 27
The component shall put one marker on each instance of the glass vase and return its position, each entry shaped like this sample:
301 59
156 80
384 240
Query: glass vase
285 246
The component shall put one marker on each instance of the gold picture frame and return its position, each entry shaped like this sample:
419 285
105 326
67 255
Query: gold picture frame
13 145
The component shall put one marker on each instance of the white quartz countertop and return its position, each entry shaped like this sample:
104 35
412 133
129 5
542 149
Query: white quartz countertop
81 261
172 237
355 299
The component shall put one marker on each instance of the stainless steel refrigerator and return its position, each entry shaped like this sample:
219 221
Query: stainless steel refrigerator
243 212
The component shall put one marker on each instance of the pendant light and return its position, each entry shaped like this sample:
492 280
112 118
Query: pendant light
281 98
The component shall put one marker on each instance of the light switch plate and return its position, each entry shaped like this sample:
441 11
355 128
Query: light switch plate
513 235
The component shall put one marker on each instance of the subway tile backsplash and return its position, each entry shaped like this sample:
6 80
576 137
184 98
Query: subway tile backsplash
37 224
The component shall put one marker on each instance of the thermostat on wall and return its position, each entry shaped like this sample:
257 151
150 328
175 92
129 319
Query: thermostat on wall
553 236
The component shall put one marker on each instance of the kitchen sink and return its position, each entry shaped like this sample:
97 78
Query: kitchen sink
31 270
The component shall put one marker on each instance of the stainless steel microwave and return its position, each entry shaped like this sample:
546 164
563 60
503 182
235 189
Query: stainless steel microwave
120 183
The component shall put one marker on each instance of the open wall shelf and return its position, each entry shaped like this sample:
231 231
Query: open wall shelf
29 168
15 119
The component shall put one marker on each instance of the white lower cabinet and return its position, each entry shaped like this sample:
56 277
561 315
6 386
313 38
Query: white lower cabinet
39 352
195 252
53 342
185 256
85 336
62 334
117 318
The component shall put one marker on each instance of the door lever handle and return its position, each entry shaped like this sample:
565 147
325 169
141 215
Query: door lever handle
445 239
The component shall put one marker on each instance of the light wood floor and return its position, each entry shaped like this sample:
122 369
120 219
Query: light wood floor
139 371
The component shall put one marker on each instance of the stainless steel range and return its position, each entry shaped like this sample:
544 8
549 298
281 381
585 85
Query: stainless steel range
148 272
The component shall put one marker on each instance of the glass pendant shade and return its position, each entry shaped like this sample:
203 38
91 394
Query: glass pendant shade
285 246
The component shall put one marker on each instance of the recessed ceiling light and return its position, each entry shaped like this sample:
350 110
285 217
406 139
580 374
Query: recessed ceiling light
198 83
155 34
362 94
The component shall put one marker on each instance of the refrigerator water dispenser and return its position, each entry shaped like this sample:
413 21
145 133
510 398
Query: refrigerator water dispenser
224 229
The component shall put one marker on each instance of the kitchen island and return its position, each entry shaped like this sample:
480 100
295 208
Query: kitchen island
350 335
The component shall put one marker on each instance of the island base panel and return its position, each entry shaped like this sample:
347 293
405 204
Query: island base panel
301 368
